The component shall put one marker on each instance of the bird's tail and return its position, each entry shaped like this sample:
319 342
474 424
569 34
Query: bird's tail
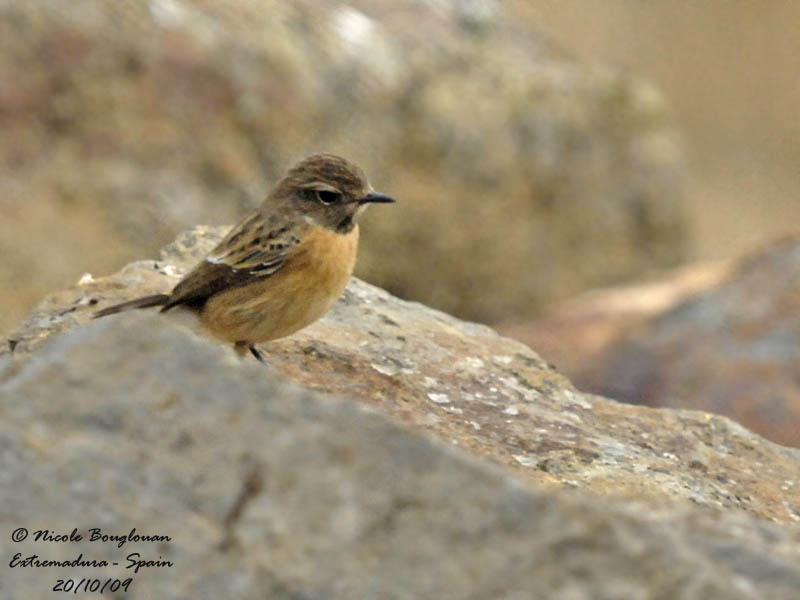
145 302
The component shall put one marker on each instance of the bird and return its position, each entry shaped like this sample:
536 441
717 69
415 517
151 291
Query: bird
284 264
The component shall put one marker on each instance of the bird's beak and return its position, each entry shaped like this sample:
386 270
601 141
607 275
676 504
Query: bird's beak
376 198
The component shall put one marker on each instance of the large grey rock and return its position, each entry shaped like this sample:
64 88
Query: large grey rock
268 490
491 396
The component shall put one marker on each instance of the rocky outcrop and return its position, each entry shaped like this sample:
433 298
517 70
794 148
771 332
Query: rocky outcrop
414 455
733 349
575 332
129 120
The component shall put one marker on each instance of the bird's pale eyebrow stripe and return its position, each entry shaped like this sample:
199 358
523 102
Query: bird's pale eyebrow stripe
320 186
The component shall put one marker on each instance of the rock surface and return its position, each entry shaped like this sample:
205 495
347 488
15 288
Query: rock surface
270 489
273 491
489 395
128 120
733 349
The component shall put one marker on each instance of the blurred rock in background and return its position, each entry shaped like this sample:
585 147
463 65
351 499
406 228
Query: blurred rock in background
732 350
574 333
523 175
717 337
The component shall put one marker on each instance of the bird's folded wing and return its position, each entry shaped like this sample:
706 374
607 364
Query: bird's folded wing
254 250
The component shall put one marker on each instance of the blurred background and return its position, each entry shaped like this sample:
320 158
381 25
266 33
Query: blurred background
729 72
539 149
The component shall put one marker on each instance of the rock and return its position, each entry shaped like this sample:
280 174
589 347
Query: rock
575 332
519 169
267 489
733 350
490 396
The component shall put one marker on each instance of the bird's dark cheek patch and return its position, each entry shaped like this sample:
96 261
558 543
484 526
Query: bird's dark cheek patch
345 225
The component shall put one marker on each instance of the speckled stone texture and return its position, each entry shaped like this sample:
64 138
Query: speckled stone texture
388 491
489 395
271 490
129 120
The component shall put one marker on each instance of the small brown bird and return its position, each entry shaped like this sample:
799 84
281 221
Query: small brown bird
284 265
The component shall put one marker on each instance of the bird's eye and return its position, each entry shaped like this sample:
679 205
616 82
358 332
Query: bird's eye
327 197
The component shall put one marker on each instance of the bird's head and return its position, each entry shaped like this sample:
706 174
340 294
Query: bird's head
329 191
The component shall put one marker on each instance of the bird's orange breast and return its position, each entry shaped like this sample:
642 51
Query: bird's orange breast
301 292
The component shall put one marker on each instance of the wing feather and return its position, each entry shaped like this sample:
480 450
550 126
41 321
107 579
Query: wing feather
254 250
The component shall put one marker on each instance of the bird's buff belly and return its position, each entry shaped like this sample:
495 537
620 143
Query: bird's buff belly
294 297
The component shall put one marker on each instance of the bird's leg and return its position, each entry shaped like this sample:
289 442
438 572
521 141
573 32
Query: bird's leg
241 348
254 351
